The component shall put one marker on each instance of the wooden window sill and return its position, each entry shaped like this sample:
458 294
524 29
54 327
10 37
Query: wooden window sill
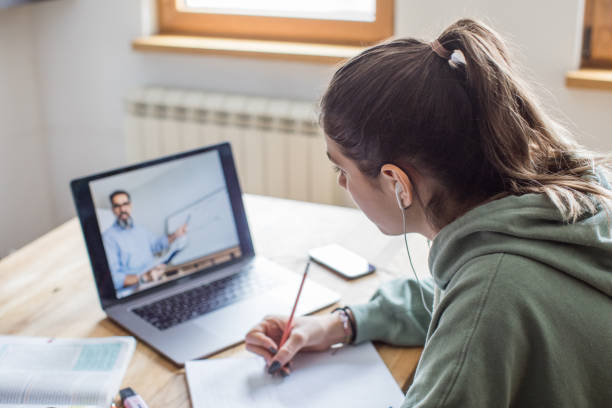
590 78
326 53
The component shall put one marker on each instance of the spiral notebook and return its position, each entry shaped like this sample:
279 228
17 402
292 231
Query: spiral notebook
356 376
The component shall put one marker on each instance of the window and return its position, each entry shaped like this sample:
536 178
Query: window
597 39
357 22
596 64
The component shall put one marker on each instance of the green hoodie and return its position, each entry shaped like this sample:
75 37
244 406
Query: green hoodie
522 314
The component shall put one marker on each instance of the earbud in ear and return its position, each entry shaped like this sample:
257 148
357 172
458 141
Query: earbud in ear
398 190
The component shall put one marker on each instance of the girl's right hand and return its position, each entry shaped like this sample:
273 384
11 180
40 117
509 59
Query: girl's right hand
309 333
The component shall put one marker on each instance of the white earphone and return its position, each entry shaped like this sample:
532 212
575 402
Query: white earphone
398 190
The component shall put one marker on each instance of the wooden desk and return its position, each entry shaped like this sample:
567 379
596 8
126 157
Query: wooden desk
48 288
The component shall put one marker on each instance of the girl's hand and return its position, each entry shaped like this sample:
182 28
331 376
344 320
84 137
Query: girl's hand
314 333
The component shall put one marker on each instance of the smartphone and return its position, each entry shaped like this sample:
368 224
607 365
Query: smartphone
342 261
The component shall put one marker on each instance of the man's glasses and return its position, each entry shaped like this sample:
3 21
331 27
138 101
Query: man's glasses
119 205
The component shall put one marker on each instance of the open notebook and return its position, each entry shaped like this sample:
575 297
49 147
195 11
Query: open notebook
352 376
36 371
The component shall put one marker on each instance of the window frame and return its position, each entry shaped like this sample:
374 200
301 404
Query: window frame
172 20
596 51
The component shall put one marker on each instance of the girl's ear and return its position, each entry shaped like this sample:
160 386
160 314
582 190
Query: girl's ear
398 183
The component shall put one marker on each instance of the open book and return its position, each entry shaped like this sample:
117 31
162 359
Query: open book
36 371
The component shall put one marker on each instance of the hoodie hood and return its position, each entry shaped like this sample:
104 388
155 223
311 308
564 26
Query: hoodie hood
531 227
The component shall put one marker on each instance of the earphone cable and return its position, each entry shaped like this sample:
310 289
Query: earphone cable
412 266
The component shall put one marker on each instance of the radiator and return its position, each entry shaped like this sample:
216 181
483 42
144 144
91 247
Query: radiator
278 145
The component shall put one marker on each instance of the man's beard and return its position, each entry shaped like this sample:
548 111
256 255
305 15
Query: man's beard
125 223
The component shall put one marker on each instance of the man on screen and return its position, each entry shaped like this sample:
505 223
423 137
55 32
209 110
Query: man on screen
130 248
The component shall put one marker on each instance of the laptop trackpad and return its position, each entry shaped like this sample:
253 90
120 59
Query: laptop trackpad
236 320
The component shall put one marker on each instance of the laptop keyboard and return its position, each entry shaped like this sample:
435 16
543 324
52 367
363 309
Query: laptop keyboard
179 308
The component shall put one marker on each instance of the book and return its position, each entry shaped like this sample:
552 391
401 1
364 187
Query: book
43 372
354 376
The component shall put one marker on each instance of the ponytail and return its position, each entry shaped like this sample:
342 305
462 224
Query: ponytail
523 145
467 120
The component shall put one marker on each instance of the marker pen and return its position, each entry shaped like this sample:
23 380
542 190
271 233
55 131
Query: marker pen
130 399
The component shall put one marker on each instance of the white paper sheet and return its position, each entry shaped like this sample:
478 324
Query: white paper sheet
352 376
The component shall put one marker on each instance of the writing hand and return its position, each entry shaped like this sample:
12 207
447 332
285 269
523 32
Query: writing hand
309 333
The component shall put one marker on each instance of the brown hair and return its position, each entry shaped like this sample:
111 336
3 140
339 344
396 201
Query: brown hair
468 121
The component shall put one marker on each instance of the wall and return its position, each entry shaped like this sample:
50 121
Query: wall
82 48
546 44
26 204
85 45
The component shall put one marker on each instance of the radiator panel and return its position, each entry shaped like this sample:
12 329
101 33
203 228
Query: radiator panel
278 146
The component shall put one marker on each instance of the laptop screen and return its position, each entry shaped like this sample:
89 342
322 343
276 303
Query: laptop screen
164 220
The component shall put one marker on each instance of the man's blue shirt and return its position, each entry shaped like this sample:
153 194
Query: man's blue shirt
130 251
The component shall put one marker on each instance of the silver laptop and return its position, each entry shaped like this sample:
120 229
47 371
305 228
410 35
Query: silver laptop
172 255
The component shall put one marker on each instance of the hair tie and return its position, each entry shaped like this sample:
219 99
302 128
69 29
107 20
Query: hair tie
440 50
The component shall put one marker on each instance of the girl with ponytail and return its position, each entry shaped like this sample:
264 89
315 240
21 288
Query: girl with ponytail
444 139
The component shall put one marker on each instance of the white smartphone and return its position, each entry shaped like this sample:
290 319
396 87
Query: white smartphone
342 261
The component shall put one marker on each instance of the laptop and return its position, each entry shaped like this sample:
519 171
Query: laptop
172 256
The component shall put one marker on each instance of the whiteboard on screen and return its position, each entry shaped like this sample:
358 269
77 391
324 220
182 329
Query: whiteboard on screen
210 226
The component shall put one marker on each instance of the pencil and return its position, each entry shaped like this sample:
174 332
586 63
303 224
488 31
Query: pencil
290 321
